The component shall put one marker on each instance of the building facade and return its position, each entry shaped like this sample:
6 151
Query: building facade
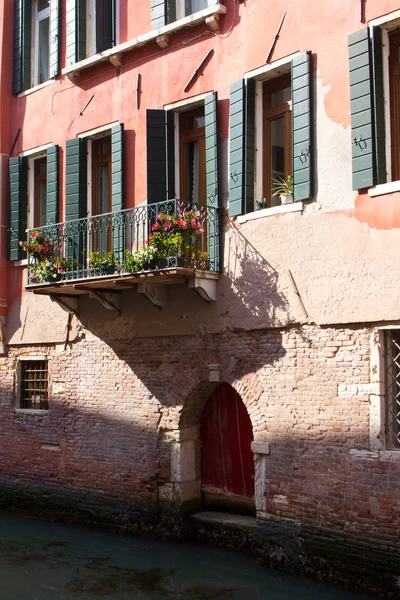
175 335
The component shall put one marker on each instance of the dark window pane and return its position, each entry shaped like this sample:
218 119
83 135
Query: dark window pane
104 24
43 58
277 154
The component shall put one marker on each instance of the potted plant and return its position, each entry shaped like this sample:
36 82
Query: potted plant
105 263
284 189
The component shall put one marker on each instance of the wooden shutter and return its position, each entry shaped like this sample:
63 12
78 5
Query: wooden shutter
242 132
105 24
156 156
52 185
170 122
54 38
17 206
162 12
211 142
75 180
362 110
302 127
379 105
236 153
117 174
76 31
22 46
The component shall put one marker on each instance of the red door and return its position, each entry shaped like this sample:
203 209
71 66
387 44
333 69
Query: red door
227 466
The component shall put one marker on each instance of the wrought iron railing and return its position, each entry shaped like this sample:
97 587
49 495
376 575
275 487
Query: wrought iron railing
146 238
392 387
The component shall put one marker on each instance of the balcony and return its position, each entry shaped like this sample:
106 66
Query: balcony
145 248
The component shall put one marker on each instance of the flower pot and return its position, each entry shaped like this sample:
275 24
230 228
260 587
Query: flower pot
286 198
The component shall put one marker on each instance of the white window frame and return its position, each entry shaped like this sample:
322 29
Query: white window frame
181 8
91 26
18 382
387 23
91 135
31 187
260 75
37 16
181 107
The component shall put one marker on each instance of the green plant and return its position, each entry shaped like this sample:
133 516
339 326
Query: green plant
39 247
283 187
139 260
104 260
45 270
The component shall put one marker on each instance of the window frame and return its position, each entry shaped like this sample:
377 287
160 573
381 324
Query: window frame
37 17
91 27
32 189
19 381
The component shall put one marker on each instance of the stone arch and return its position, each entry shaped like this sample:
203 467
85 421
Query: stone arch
180 428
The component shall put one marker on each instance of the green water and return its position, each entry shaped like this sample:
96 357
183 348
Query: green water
46 561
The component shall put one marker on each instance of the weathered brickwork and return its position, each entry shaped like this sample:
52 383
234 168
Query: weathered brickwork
118 406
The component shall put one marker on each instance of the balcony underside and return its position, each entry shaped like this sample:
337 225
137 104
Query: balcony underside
149 283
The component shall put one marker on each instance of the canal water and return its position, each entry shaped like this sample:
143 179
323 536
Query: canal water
47 561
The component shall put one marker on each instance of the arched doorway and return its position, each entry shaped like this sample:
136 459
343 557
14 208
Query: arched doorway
227 461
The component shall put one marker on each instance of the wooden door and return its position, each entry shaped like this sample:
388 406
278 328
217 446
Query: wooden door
227 463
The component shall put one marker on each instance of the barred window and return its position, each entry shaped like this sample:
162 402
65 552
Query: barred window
34 384
392 387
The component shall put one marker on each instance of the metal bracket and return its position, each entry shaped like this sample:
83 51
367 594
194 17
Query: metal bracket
67 303
106 302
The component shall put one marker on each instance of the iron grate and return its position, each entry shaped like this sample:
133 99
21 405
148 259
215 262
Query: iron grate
392 387
34 385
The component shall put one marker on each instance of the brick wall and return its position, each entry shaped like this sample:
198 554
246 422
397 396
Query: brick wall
117 406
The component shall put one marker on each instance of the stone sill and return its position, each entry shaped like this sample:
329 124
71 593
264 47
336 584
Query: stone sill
270 212
383 455
161 35
384 188
36 88
31 411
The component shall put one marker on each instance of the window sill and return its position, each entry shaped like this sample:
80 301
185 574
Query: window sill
21 263
36 88
385 455
270 212
161 35
384 188
31 411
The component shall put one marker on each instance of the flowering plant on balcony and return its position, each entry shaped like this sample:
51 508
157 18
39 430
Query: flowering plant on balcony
106 261
140 260
39 247
66 264
174 234
45 270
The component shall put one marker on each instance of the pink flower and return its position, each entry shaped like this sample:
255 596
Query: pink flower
153 227
193 222
201 230
168 225
184 225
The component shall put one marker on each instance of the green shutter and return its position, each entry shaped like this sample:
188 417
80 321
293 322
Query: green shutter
379 105
249 137
362 111
211 141
302 127
54 38
76 31
52 185
117 174
17 207
162 12
242 132
22 46
170 120
237 147
156 156
75 180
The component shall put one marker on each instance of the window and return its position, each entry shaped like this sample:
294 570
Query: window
277 134
91 28
164 12
182 153
36 43
33 384
374 62
271 134
392 387
37 207
33 195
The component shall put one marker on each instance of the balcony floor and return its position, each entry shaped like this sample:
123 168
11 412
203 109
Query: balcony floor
119 283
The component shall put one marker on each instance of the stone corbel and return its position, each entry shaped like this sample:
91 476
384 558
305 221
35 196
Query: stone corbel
105 300
74 77
157 294
163 41
206 288
67 303
115 60
212 22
